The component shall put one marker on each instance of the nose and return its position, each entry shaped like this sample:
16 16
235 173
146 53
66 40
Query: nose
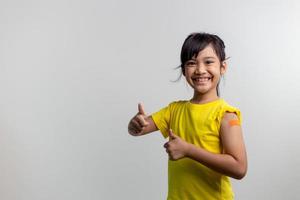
200 69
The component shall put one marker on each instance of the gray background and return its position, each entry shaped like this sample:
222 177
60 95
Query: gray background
73 72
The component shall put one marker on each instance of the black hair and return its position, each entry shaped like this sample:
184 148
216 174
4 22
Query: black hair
195 43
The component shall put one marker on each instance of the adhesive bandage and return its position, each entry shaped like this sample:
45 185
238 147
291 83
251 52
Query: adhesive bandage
234 122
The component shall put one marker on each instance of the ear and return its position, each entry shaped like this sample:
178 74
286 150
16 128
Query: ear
223 67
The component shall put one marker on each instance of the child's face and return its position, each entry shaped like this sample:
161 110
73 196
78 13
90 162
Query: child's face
204 71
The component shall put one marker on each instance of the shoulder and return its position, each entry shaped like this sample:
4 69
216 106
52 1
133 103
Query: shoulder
174 105
178 103
229 116
228 112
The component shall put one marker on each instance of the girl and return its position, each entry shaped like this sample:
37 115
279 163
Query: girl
205 144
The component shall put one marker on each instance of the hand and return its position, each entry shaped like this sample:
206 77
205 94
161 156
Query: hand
138 123
177 148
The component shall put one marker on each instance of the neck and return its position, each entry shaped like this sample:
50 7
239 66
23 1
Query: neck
204 98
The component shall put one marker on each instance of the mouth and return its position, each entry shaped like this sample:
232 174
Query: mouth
201 80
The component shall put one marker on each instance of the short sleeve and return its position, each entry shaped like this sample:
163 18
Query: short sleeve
230 109
162 119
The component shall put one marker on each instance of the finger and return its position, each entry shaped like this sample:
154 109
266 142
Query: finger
141 120
171 135
136 125
133 131
141 109
166 145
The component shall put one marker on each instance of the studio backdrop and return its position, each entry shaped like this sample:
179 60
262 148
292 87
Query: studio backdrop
73 72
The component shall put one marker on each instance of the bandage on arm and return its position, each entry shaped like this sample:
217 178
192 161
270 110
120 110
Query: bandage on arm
234 122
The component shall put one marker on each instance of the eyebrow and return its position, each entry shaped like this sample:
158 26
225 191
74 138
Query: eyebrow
209 57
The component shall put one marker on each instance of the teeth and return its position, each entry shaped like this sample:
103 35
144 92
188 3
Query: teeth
202 79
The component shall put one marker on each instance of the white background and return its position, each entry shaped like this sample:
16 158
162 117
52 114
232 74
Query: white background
73 72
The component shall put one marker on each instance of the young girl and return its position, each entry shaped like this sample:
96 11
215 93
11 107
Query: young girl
205 144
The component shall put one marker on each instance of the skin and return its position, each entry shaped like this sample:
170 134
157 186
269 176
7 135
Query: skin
233 161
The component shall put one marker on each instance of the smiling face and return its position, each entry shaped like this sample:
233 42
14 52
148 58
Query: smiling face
203 73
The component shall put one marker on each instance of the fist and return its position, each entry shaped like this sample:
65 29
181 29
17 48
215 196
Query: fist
139 122
176 147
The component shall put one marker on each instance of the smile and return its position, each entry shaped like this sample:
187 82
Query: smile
201 79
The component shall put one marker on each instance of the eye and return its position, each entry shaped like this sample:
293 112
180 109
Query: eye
208 62
190 63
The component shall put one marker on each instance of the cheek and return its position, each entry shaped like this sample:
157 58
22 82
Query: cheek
217 75
188 72
216 72
188 78
217 79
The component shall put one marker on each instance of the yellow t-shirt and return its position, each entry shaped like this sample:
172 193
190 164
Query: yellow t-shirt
198 124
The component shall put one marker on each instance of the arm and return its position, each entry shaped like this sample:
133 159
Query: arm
141 124
232 162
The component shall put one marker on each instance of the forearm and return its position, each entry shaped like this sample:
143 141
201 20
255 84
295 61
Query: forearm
223 163
151 127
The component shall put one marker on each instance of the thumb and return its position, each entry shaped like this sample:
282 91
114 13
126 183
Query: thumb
171 135
141 109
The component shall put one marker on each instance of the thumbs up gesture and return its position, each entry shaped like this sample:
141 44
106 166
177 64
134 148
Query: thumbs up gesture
139 122
176 147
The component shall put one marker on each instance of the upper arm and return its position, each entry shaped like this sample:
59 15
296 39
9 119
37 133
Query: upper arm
232 139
